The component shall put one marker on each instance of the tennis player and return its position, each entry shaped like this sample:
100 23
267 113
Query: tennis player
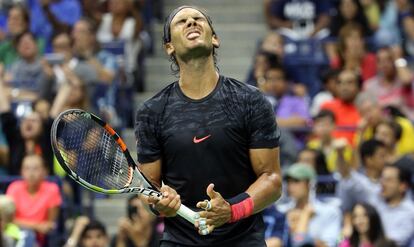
208 141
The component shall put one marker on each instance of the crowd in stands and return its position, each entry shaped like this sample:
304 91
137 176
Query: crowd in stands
338 73
56 55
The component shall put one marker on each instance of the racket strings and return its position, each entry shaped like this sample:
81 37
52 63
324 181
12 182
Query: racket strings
92 153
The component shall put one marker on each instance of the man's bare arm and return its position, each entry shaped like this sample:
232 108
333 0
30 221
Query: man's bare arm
152 171
171 201
268 186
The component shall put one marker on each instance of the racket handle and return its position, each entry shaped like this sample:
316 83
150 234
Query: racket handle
188 214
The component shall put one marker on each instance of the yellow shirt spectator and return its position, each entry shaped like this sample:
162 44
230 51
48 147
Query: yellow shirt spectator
330 153
406 143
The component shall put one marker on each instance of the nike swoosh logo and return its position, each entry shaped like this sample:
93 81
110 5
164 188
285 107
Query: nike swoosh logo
195 140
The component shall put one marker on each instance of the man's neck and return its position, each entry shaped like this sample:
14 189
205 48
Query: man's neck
31 59
301 203
326 141
372 174
348 101
395 201
390 78
198 77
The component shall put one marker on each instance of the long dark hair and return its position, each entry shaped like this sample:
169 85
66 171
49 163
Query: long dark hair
339 20
375 231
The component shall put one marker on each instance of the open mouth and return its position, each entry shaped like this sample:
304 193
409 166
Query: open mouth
193 34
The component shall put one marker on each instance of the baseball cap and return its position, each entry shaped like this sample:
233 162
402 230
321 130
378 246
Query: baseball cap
300 171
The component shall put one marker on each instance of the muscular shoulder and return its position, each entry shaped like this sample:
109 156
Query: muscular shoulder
242 91
240 87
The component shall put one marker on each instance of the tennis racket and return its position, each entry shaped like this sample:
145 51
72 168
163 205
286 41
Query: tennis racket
96 157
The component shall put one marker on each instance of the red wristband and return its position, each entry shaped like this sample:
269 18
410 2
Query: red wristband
241 210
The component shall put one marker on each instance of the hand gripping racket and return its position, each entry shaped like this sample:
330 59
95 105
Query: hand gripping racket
96 157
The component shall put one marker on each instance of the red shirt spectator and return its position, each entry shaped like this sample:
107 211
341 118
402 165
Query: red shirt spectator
344 109
346 115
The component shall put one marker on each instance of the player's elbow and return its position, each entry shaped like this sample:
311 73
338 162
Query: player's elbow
275 180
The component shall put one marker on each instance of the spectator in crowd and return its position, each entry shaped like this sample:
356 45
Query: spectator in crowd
343 107
53 16
311 221
371 114
298 19
87 233
72 94
392 84
291 111
15 235
42 106
276 233
37 200
389 132
262 62
352 54
406 25
94 235
124 22
26 74
388 32
78 228
349 11
270 53
92 9
329 91
373 156
372 11
397 213
18 22
382 18
367 228
86 48
138 229
288 148
273 43
31 136
323 127
68 63
315 158
390 199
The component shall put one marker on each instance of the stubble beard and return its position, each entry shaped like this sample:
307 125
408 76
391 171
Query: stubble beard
196 53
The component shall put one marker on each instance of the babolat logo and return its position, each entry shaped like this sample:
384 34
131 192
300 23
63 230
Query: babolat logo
144 191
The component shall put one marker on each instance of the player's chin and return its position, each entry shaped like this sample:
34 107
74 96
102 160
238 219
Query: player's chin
197 50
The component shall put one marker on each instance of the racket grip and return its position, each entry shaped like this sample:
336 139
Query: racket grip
188 214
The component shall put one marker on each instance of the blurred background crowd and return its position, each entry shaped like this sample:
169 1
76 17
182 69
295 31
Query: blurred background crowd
338 73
